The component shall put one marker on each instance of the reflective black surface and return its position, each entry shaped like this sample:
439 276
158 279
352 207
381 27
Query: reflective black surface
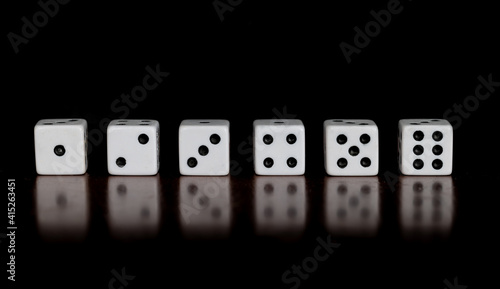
253 231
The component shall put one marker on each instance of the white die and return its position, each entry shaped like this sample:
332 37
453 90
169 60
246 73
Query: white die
425 147
351 147
204 147
133 147
61 146
279 147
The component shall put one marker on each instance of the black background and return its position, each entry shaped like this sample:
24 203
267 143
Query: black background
262 58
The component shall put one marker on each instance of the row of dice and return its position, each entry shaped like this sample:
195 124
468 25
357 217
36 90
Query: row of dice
350 147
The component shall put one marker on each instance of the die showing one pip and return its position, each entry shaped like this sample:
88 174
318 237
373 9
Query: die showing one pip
279 147
204 147
133 147
425 147
61 146
350 147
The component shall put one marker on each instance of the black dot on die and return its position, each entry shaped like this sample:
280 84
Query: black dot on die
268 162
203 150
61 200
418 187
353 202
214 138
365 162
121 162
145 213
354 151
291 189
268 188
143 138
59 150
291 162
437 150
121 189
418 164
267 139
437 187
192 189
364 138
418 150
192 162
437 164
418 135
342 163
365 190
342 190
437 136
204 201
341 139
291 138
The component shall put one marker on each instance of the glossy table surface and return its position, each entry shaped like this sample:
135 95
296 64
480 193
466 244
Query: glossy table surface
252 231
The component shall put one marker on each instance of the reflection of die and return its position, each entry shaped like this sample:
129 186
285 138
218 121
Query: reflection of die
426 205
134 206
351 147
62 207
133 147
204 147
425 147
352 205
205 206
280 205
279 147
61 146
